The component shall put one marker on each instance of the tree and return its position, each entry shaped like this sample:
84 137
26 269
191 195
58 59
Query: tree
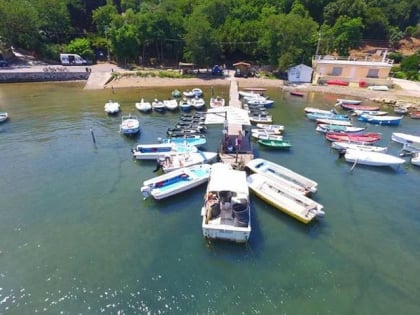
80 46
347 34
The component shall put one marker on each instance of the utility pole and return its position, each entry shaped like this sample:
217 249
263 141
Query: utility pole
108 57
317 46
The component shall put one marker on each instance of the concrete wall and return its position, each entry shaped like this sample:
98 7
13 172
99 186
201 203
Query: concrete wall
13 77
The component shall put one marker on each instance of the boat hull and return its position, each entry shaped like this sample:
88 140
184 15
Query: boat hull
372 158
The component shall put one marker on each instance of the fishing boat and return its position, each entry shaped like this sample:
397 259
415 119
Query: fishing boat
217 101
277 129
185 104
415 114
130 125
275 144
290 202
415 159
334 122
324 128
343 146
226 213
401 110
405 138
348 101
287 177
297 93
112 107
196 140
176 93
153 151
176 182
319 110
263 134
361 138
171 104
359 112
144 106
267 136
359 107
262 119
372 158
4 116
381 120
260 101
158 106
197 102
315 116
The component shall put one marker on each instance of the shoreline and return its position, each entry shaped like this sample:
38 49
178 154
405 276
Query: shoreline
396 94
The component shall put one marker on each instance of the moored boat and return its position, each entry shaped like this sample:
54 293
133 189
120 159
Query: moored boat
158 106
196 140
267 119
112 107
315 116
372 158
378 88
343 145
290 202
173 160
348 101
144 106
178 181
226 213
171 104
185 104
334 122
287 177
3 116
319 110
405 138
359 112
197 102
359 107
130 125
217 101
324 128
153 151
176 93
297 93
415 159
414 114
381 120
277 129
361 138
275 144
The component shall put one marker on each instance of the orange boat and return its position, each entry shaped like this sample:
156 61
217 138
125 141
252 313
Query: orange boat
415 114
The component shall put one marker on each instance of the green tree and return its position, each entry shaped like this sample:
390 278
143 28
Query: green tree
347 34
80 46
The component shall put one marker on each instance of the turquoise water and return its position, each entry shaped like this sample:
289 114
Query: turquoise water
77 236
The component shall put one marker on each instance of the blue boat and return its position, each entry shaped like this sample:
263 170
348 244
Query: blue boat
381 120
315 116
196 140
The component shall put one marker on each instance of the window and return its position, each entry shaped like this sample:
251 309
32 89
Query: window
337 71
373 73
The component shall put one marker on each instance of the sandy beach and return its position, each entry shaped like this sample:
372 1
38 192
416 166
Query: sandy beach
403 91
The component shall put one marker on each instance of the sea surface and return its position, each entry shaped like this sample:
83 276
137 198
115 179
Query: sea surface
78 238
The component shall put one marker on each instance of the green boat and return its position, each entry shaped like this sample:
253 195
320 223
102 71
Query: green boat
275 144
176 93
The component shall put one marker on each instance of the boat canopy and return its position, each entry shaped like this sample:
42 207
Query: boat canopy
223 178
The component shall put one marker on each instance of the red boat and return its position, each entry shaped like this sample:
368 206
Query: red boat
358 107
361 138
415 114
297 93
337 82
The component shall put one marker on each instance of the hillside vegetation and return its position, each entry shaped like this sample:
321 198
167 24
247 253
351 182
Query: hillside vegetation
279 33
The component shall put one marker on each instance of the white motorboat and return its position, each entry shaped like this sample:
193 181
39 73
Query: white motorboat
171 104
278 129
196 140
289 201
158 106
256 133
404 138
3 116
342 146
415 159
324 128
173 160
226 213
130 125
348 101
260 100
334 122
144 106
319 110
112 107
197 92
178 181
267 136
287 177
217 101
154 151
372 158
197 103
261 119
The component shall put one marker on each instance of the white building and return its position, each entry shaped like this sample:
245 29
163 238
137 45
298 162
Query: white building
300 74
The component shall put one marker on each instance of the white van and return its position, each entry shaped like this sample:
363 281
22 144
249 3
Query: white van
72 60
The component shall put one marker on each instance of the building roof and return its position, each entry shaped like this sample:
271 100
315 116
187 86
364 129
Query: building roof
241 63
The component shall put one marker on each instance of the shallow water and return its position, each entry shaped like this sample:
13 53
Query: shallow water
77 236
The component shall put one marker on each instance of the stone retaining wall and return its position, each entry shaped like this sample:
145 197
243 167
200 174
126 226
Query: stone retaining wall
13 77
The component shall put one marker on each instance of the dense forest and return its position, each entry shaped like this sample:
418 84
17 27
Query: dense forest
154 32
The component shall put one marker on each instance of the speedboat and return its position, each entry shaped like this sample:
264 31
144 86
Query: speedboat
226 213
289 201
130 125
372 158
112 107
175 182
143 106
173 160
154 151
